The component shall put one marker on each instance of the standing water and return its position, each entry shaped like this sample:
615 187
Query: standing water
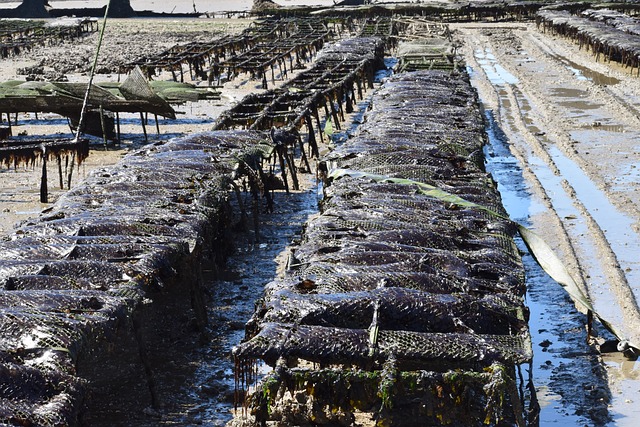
209 399
567 373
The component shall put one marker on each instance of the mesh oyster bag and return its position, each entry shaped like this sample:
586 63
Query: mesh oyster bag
72 279
390 292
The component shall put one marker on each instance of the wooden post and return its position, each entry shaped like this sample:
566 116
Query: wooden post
144 127
59 159
348 100
73 161
283 170
334 114
292 170
302 153
313 144
118 126
104 129
44 196
319 125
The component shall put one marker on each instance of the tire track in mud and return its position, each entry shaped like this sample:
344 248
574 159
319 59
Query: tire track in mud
543 145
580 207
582 246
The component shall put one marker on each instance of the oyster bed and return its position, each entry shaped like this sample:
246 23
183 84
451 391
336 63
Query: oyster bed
79 273
411 306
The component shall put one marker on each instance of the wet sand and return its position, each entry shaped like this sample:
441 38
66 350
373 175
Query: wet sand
572 124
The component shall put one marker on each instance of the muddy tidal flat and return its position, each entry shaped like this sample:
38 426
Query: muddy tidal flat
563 133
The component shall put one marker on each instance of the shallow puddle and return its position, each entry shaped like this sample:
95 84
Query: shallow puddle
584 73
617 226
579 106
494 71
563 364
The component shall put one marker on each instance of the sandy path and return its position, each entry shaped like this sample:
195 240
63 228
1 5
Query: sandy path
572 123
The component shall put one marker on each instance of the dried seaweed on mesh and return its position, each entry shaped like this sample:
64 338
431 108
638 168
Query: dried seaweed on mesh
64 321
30 396
112 226
347 251
318 248
359 221
398 309
37 282
28 249
409 239
151 214
436 265
428 157
330 278
87 274
470 229
471 219
18 268
99 273
413 350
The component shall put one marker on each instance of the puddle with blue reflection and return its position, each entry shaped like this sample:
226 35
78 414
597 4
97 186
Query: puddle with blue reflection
584 73
494 71
616 226
562 360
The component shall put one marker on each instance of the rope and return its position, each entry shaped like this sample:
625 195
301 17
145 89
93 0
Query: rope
93 70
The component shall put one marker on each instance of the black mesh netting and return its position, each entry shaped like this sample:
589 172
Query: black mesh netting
386 274
72 278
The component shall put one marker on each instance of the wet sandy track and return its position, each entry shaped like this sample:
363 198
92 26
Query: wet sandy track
572 126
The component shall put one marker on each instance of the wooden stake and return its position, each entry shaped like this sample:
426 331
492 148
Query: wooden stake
73 161
104 129
144 127
59 159
44 196
118 126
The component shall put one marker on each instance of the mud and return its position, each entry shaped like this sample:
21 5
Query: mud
567 127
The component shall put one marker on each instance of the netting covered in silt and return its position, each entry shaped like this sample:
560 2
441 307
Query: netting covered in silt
396 302
76 275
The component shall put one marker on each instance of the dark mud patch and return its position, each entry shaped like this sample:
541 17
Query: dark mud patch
206 397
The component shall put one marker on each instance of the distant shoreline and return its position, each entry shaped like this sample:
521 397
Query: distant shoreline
169 9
